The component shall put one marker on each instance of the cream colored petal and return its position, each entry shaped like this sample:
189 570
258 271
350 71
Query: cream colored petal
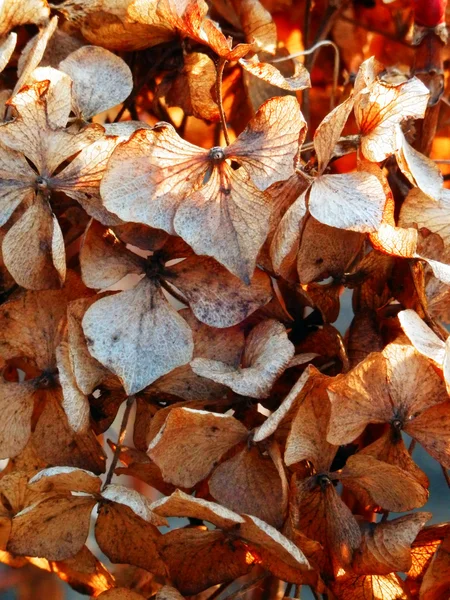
147 176
228 219
348 201
101 80
137 335
269 144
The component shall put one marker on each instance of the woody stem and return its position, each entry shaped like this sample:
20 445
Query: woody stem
219 68
122 432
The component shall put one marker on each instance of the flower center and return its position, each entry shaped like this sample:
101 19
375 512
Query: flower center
323 480
41 183
216 154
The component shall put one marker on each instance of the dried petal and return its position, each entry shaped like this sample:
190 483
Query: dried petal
421 336
348 201
216 297
271 75
6 49
191 442
65 480
386 547
33 249
180 504
16 407
55 529
228 219
75 403
267 354
148 337
249 483
100 80
329 131
382 484
198 559
126 538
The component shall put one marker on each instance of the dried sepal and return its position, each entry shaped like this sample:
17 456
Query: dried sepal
329 131
271 75
386 547
101 80
373 587
165 340
60 480
191 442
6 49
28 11
56 528
267 354
17 407
249 483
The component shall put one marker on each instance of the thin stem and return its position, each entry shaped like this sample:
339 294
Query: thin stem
343 354
219 68
121 437
314 593
411 447
446 475
311 51
173 292
216 593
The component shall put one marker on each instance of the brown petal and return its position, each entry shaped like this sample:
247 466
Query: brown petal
154 163
33 249
326 251
16 407
414 385
134 500
249 483
288 407
198 559
432 430
65 480
126 538
279 555
101 80
436 581
84 573
271 75
228 219
352 201
307 437
217 297
74 402
142 313
56 528
120 593
269 144
286 241
369 587
390 448
32 56
88 372
321 515
57 443
424 548
329 131
180 504
267 354
386 547
382 484
359 398
191 442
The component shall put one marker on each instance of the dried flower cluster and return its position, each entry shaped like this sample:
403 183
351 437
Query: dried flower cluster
180 214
